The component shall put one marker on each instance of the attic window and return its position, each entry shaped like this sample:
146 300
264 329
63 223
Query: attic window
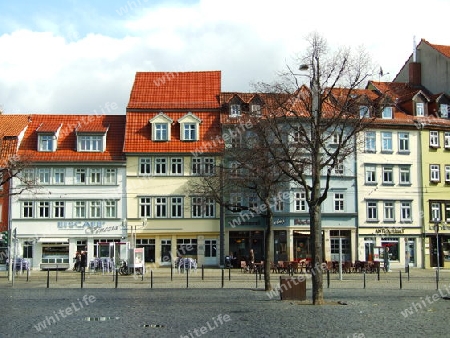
387 113
235 110
47 142
161 127
255 109
363 111
444 110
94 143
189 127
420 109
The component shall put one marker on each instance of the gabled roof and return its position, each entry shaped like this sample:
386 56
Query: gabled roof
49 127
11 127
444 50
177 90
67 138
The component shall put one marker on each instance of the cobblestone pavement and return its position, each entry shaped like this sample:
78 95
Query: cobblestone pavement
205 309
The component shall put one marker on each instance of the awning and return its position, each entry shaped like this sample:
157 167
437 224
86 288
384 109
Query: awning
53 240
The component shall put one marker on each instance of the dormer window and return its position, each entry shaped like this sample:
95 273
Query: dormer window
161 127
235 110
90 143
444 110
387 113
189 127
363 111
47 142
420 109
255 109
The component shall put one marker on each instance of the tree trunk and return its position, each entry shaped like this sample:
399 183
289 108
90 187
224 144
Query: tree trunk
317 254
267 253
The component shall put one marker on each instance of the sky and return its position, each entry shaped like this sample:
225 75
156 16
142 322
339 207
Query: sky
81 56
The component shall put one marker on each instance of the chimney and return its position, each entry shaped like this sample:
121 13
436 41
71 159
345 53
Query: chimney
415 76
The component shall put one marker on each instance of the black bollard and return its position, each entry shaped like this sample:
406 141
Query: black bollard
223 275
56 272
171 273
82 278
203 272
117 277
28 272
408 273
328 279
400 280
229 274
187 278
256 279
151 279
48 278
364 279
437 280
378 272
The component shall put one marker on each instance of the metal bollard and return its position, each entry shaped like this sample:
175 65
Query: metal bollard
171 273
82 278
48 278
378 272
229 274
203 272
364 279
437 280
223 281
256 279
151 279
400 280
28 273
187 278
56 272
328 279
117 277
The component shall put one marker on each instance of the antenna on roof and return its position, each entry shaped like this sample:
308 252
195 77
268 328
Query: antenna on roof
414 49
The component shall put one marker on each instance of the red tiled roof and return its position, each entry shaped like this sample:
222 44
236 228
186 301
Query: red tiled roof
175 90
12 125
66 143
444 50
47 127
138 134
96 126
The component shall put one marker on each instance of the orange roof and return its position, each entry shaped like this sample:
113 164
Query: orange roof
66 143
48 127
138 134
444 50
12 125
175 90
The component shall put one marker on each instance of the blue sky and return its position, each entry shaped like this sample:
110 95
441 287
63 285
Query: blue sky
74 56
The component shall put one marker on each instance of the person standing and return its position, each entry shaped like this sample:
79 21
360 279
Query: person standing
387 267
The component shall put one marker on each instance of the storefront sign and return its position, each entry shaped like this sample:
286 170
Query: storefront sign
390 231
80 224
301 221
278 221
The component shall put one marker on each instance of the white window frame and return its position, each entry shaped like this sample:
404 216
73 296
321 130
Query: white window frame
447 173
145 166
370 174
405 211
235 110
443 109
388 170
435 173
403 142
95 209
387 113
201 166
176 166
110 176
202 207
160 164
370 141
435 211
389 211
447 140
90 143
372 211
236 201
364 112
43 175
404 175
190 131
95 176
161 132
59 176
110 209
420 109
80 209
59 209
47 142
434 138
80 176
161 207
386 141
338 202
145 207
28 209
176 207
255 109
339 168
300 201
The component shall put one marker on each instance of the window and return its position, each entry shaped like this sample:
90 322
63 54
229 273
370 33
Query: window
202 207
447 173
110 176
420 109
58 209
176 207
336 138
161 207
443 108
434 173
255 109
364 111
388 176
90 143
80 209
28 209
235 201
145 206
110 209
403 142
371 174
145 166
447 212
43 175
160 166
389 211
372 214
386 141
46 142
43 209
202 165
405 212
279 205
235 110
434 139
80 176
338 202
296 135
447 140
95 176
189 132
405 175
435 211
235 140
386 113
176 166
95 209
161 132
339 168
300 201
186 246
59 176
28 176
253 202
370 141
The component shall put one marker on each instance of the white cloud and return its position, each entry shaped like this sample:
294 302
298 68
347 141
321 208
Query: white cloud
62 70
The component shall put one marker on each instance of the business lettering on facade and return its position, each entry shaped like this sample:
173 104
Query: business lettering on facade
389 231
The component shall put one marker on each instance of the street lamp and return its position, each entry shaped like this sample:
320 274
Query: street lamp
436 229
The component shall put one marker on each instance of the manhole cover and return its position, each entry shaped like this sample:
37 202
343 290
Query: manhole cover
99 319
153 325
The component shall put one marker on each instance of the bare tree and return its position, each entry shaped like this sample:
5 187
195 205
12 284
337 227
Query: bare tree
305 121
12 167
